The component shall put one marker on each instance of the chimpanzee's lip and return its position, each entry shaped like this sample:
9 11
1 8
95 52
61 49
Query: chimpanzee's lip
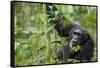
74 43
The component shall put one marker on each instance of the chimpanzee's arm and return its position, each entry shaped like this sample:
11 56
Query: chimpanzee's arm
63 30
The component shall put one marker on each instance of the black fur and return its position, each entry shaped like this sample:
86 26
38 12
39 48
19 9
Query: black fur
71 31
85 42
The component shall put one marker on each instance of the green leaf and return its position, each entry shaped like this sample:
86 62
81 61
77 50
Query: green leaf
76 48
32 18
30 29
50 28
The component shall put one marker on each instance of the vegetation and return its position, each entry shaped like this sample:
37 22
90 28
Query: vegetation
36 41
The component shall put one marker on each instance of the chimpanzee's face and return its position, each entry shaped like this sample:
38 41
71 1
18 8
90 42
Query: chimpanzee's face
76 36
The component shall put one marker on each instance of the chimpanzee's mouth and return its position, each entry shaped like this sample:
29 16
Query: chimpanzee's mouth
72 43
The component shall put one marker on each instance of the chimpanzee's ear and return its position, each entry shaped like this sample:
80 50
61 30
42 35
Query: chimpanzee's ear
71 31
85 36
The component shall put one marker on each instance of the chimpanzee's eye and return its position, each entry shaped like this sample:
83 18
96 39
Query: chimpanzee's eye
76 33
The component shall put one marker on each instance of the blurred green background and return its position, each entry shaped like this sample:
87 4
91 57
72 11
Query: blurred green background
35 36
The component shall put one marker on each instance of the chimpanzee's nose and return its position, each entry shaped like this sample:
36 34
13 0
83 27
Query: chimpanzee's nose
75 39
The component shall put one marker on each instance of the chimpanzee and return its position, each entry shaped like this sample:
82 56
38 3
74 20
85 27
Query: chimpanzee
80 45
